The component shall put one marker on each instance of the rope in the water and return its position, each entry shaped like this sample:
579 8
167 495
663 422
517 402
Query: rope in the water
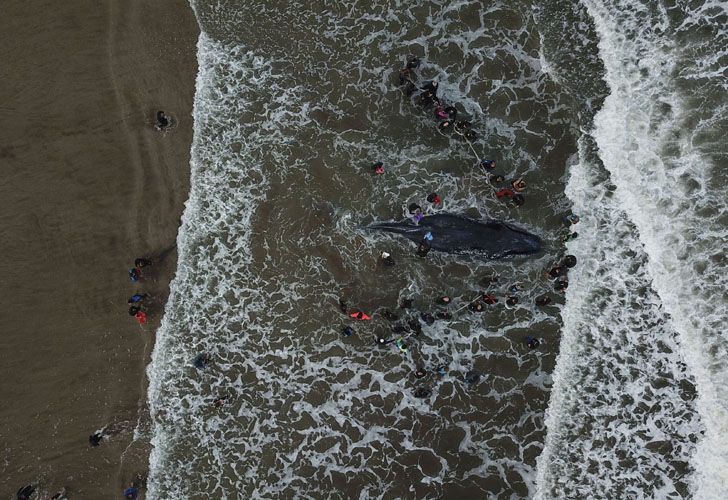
467 183
466 305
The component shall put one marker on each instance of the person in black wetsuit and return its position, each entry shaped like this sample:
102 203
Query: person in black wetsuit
452 112
443 301
472 377
398 328
24 492
389 315
95 439
162 121
489 280
429 93
476 307
430 86
532 342
415 326
423 249
406 82
423 392
543 301
461 126
569 261
445 126
59 495
555 272
427 318
414 208
201 361
387 259
405 76
413 62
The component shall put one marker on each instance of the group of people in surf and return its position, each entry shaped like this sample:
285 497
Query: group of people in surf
446 114
446 117
411 324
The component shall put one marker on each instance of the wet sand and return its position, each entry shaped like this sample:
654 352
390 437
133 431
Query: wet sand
87 185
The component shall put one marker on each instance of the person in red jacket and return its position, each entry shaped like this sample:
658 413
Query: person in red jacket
141 317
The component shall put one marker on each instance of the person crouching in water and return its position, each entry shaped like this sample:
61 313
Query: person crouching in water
387 259
163 121
406 82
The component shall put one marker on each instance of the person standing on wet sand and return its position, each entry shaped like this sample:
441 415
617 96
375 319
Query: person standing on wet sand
95 439
163 121
141 317
135 274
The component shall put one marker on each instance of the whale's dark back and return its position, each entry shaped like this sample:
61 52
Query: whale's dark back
457 233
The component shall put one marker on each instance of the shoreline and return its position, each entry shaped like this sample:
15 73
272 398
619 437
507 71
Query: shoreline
89 186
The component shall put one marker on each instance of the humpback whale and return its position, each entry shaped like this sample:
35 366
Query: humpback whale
461 234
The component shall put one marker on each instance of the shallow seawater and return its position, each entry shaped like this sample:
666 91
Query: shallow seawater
294 104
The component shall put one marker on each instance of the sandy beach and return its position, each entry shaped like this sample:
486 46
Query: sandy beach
87 185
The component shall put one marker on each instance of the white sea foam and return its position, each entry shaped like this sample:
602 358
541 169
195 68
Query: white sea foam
621 423
658 135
